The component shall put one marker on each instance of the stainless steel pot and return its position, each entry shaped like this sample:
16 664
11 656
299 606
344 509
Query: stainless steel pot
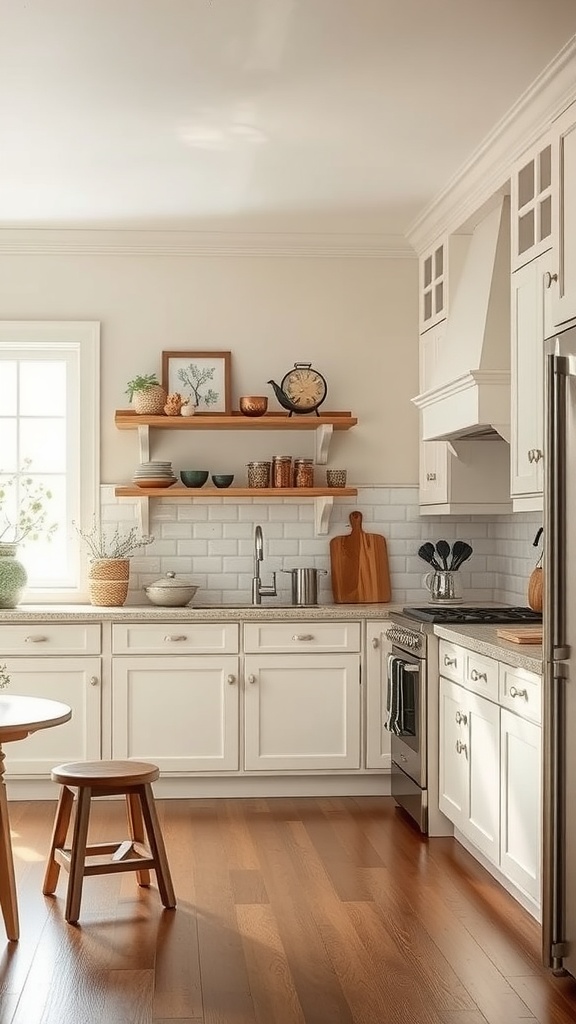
305 585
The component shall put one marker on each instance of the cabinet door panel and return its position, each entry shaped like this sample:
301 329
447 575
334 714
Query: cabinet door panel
76 682
483 825
520 802
563 298
179 713
377 737
302 711
453 783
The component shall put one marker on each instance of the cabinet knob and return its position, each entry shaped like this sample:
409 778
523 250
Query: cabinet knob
461 748
548 278
175 638
35 639
375 642
531 455
461 719
303 636
538 454
517 693
430 477
475 676
251 678
450 662
94 680
231 679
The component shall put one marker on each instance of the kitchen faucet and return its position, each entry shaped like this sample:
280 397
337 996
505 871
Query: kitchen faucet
258 591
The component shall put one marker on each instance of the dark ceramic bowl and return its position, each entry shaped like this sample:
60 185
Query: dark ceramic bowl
222 479
194 477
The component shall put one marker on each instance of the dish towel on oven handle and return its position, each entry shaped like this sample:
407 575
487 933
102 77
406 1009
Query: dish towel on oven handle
400 703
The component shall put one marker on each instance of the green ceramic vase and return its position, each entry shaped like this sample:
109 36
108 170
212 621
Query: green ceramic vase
13 577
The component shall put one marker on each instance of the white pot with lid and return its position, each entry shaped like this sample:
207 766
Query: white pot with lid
170 591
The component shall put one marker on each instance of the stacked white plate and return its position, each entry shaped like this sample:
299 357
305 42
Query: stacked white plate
154 474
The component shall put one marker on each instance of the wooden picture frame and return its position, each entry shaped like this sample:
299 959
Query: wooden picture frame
202 377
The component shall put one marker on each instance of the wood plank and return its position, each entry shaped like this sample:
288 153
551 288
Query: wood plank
177 491
126 419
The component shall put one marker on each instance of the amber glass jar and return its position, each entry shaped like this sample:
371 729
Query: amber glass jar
303 472
281 471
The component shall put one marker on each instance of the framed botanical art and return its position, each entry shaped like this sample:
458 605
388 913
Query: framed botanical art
202 377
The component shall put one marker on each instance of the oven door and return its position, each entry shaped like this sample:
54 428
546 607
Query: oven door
407 714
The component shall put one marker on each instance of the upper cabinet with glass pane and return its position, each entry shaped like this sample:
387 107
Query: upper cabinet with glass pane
433 287
532 199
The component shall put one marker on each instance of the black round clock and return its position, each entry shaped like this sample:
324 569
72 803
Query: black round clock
303 389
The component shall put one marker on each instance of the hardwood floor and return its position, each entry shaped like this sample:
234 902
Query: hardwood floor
290 911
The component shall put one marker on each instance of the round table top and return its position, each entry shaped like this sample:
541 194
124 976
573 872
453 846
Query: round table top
20 716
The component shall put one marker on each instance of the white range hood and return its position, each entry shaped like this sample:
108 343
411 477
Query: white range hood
470 394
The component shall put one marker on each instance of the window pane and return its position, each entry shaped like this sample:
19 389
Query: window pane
8 507
42 388
8 449
44 442
8 386
46 560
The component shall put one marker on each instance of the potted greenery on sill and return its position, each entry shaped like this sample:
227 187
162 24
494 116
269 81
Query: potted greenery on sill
109 562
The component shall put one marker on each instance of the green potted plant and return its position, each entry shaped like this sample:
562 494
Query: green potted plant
147 395
23 516
109 554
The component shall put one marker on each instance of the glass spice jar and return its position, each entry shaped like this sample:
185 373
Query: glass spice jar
281 471
258 474
303 472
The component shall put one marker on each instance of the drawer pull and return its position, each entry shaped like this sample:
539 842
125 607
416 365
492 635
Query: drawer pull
35 638
461 719
461 748
231 679
517 693
175 638
251 678
375 642
303 636
475 676
94 680
450 662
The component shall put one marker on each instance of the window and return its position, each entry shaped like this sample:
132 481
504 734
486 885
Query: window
49 433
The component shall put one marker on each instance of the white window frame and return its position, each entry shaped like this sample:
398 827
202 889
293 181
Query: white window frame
84 337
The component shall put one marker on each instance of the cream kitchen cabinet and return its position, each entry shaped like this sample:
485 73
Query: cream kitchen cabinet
562 281
302 696
175 696
531 205
60 661
520 802
376 684
529 303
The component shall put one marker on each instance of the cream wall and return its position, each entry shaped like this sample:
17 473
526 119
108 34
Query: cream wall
355 319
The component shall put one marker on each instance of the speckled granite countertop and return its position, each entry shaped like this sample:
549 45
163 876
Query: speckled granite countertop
137 613
484 640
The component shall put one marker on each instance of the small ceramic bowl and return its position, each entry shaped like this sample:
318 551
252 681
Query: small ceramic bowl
222 479
253 405
194 477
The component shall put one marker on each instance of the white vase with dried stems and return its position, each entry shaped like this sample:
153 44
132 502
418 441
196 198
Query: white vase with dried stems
109 556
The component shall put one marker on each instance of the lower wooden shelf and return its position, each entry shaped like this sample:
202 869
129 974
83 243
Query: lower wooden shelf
323 498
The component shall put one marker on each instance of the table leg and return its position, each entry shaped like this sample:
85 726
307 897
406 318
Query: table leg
8 898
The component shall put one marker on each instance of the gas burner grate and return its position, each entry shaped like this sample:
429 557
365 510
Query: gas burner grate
460 615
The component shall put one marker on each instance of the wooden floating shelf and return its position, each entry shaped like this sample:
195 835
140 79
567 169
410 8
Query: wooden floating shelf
126 419
132 491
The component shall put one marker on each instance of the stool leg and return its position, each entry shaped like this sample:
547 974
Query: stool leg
156 843
136 824
78 855
59 832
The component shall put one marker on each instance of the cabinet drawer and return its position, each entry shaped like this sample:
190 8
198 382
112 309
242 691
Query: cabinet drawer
175 638
481 675
521 691
451 661
48 638
301 636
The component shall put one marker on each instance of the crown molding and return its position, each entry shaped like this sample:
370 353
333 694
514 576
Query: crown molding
488 169
130 242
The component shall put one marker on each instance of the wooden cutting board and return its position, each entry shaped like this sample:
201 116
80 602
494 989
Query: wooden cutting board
521 634
359 566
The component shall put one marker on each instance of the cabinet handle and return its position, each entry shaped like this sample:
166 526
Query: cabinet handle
449 662
461 748
531 455
375 642
94 680
303 636
251 678
461 719
538 454
430 477
175 638
231 679
35 639
548 278
517 693
475 676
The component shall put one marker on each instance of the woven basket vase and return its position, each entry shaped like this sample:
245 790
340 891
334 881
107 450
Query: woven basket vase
108 593
109 569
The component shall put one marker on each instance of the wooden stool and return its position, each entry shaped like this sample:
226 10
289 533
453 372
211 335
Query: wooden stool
107 778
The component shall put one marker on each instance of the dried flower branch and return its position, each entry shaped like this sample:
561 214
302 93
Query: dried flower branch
31 515
105 544
4 677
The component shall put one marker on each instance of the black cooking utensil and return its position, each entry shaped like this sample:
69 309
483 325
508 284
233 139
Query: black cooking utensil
461 552
426 551
443 549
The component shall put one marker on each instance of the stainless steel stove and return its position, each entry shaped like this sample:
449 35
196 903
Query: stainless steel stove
454 614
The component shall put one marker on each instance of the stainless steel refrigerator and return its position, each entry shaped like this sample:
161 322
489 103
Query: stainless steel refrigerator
559 690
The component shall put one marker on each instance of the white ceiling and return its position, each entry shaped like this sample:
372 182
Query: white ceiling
261 115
